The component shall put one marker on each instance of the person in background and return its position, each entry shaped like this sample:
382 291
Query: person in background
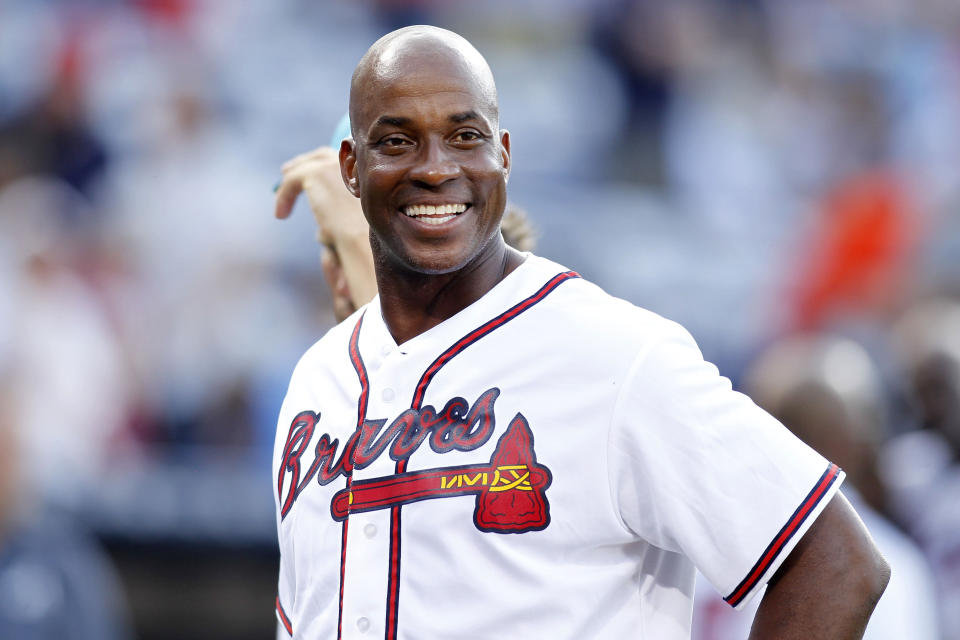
827 392
921 465
55 582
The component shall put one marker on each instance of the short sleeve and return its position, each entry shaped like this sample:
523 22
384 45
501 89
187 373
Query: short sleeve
697 468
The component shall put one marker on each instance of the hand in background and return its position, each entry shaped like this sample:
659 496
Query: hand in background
341 228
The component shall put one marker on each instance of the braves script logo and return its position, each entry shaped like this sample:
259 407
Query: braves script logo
510 490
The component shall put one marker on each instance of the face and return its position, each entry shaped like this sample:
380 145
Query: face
429 165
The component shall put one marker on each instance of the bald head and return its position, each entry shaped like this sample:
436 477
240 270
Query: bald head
407 56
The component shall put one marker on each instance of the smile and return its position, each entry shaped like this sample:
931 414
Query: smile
434 214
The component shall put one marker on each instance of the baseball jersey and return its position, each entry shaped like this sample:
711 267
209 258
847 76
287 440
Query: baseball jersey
550 462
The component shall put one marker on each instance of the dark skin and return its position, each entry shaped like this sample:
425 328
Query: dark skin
426 131
828 585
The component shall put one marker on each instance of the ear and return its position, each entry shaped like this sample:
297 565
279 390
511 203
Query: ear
348 166
505 153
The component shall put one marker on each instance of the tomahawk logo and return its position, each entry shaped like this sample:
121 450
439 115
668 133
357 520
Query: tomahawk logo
510 490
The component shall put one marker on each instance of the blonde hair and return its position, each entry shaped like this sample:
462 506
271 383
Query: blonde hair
517 230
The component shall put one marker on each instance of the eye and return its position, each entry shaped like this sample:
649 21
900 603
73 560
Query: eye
468 137
394 142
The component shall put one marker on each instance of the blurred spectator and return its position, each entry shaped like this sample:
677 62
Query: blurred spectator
855 261
922 466
637 38
52 136
70 377
55 582
186 212
828 392
928 341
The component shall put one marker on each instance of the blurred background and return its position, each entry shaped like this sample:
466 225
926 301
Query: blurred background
781 177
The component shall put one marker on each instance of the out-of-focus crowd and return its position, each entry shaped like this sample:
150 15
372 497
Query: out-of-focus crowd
781 177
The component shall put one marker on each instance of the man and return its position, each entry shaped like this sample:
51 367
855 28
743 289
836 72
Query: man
494 447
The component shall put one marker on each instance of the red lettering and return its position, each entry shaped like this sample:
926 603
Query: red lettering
478 426
458 426
410 434
344 464
298 438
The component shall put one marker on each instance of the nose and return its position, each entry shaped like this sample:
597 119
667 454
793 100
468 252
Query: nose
435 164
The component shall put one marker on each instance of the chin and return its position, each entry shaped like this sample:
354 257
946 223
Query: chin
436 265
437 258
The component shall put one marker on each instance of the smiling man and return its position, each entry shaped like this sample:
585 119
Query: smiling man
430 166
495 448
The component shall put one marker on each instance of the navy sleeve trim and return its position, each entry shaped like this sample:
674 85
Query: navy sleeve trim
784 536
284 620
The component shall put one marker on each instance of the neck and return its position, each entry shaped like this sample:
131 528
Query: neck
415 302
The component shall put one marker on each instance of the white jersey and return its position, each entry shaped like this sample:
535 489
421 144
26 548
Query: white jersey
551 462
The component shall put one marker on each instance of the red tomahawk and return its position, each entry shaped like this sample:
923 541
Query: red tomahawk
511 490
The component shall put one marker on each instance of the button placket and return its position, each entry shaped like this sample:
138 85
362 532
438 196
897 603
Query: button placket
367 554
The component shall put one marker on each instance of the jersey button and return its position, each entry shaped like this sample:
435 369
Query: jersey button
387 395
363 625
370 530
385 350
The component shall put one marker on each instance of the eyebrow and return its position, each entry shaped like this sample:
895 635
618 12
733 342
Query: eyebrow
463 117
394 121
400 121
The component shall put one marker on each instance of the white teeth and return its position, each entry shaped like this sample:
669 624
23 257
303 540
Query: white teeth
437 219
445 210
